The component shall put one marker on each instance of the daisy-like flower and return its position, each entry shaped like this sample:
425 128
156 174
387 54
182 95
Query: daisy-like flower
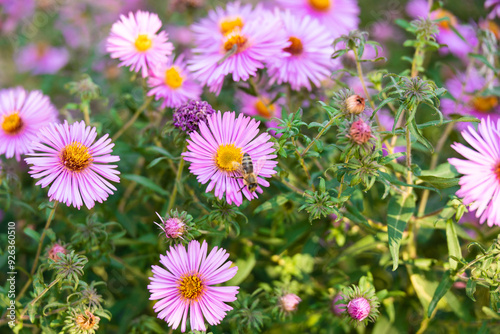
260 106
217 149
22 114
480 185
172 82
67 157
222 21
240 52
136 42
339 16
41 58
187 286
310 51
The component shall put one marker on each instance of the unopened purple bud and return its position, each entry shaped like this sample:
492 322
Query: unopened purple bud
289 302
174 227
338 308
188 117
359 308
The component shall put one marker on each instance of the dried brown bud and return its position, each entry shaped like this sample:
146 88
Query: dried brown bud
87 321
360 132
56 249
355 104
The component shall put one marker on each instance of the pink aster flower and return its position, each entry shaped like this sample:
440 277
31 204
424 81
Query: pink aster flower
216 152
172 82
255 106
464 88
67 157
222 21
480 185
240 52
41 58
339 16
186 285
310 51
495 8
22 114
136 42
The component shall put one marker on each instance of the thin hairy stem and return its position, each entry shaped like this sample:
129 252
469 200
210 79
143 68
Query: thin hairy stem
133 119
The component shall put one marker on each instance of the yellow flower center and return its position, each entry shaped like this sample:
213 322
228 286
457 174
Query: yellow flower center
484 103
226 157
191 287
296 47
143 43
229 24
235 37
264 108
320 5
497 171
173 78
76 157
445 24
12 124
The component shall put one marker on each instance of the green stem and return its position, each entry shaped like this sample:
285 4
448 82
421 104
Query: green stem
301 160
178 177
409 174
86 112
54 282
308 147
134 118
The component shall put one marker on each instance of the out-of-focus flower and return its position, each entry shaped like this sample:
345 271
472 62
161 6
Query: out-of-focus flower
172 82
22 114
494 6
14 12
180 35
338 307
182 5
55 249
455 44
289 302
480 185
187 286
339 16
240 52
310 54
260 106
41 58
78 168
491 26
359 306
217 149
384 31
136 42
188 117
464 88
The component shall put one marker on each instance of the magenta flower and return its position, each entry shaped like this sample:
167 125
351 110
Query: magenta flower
464 88
172 82
480 185
187 286
339 16
173 227
494 6
67 157
217 148
338 306
136 42
22 114
359 308
289 302
41 58
221 21
310 51
188 117
245 50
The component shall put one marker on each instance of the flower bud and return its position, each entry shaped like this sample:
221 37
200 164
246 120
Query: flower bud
173 227
355 104
362 305
289 302
87 321
338 307
360 132
359 308
188 117
54 250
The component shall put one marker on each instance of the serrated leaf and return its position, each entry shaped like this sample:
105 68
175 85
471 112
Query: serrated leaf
145 182
441 290
453 244
400 211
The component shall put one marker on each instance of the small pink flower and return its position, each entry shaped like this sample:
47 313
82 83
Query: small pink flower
55 250
289 302
173 227
360 132
359 308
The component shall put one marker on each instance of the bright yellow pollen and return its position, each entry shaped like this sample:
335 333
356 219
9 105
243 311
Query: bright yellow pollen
235 38
12 124
230 23
191 287
296 47
320 5
485 103
497 171
143 43
264 108
173 78
76 157
226 157
445 24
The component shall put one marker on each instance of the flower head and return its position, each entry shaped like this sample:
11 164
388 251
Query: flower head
289 302
480 185
494 6
309 53
355 104
260 106
81 322
22 114
55 249
186 285
188 117
240 52
175 225
173 82
136 42
339 16
78 168
359 306
360 132
216 151
41 58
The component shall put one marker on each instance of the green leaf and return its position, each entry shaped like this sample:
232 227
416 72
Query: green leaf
440 182
272 203
245 267
400 211
454 250
470 289
145 182
441 290
483 60
32 234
